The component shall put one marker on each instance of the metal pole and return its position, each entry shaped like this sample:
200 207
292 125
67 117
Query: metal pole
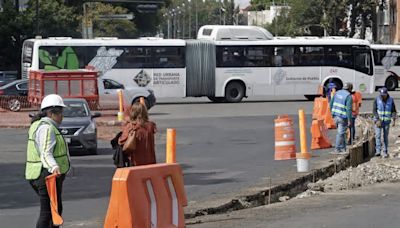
168 25
197 18
37 17
190 21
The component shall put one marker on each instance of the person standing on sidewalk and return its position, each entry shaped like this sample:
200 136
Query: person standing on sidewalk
384 111
47 153
357 100
341 106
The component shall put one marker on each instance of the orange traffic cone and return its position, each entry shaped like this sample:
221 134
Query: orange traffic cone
285 142
52 191
319 138
328 119
319 108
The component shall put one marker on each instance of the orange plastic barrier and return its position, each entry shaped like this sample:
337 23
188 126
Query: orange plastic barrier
285 142
319 137
52 191
147 196
321 110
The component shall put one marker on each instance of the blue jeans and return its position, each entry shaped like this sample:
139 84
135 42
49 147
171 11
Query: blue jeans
352 130
378 142
341 133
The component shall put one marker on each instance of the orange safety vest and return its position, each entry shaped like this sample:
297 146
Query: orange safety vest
357 100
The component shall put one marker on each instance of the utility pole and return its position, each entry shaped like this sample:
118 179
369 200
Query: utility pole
37 17
197 18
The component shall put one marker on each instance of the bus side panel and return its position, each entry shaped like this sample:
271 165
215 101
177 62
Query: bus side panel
169 82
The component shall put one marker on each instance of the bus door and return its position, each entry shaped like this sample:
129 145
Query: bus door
363 66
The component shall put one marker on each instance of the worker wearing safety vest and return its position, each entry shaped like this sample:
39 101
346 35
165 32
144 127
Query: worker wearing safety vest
357 100
384 111
47 153
341 106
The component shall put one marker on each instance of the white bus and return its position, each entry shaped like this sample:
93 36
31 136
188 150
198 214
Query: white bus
224 71
153 63
291 66
387 65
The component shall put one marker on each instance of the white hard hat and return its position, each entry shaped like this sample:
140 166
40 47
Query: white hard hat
52 100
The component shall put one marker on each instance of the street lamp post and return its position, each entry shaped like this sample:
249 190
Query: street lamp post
190 20
37 17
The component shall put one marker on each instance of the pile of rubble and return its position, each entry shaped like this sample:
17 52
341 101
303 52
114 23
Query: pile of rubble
377 170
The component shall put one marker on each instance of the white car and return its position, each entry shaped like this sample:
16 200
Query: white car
108 95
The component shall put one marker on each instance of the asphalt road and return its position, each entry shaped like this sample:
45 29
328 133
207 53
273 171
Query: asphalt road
223 149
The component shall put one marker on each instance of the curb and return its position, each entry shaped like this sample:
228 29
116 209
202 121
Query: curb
359 153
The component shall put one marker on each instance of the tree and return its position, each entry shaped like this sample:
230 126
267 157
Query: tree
55 19
121 28
10 37
363 15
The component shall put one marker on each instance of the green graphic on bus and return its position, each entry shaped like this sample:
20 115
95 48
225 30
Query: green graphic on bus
67 60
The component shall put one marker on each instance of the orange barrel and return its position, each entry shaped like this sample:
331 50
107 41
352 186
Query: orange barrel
285 142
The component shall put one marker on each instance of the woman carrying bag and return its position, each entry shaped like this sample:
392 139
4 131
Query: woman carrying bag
137 138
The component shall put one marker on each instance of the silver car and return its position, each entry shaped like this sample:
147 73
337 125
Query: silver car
79 126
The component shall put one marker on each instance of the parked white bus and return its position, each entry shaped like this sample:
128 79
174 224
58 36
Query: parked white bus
387 65
291 66
221 70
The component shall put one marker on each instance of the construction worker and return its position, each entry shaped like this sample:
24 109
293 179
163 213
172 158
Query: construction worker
331 89
341 106
47 153
357 100
384 111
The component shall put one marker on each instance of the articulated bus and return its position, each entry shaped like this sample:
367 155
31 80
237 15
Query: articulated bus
291 66
224 71
387 65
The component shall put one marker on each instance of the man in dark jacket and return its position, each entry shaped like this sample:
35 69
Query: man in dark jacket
384 111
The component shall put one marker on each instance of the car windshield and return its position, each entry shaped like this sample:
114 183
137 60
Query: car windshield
75 109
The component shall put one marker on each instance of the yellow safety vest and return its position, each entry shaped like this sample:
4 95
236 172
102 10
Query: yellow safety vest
33 162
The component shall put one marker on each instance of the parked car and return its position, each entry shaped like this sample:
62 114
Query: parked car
79 126
7 77
108 96
14 95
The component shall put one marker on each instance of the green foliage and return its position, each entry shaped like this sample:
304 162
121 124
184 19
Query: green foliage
117 28
55 19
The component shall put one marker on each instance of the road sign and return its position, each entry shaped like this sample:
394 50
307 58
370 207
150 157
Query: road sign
117 16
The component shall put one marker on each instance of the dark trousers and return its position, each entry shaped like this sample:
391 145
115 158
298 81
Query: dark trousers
39 185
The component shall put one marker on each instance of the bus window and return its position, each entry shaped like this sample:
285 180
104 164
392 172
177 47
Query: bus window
169 57
311 56
61 57
134 57
255 56
363 62
230 56
283 56
339 56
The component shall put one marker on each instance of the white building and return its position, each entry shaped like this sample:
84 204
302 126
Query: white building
260 18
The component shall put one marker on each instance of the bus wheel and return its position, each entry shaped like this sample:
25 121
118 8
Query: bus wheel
216 99
391 83
234 92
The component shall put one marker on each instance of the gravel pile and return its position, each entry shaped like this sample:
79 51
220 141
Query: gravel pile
377 170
